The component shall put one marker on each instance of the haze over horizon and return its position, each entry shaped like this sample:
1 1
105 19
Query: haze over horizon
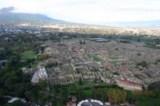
89 11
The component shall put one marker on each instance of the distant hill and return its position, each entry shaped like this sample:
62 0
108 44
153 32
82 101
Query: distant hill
18 18
9 17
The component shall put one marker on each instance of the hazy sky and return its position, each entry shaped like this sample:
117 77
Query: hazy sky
90 11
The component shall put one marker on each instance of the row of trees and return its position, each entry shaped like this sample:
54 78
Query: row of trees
116 96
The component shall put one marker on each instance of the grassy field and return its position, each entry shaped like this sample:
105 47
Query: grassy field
96 58
28 55
114 58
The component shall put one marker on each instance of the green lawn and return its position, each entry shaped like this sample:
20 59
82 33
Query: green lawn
28 55
95 57
143 101
114 58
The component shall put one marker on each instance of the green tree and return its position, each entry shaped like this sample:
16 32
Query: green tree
144 64
116 96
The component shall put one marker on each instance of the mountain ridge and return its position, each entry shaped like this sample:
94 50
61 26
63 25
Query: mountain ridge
19 18
7 16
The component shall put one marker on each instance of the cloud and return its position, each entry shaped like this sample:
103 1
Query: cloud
90 11
6 9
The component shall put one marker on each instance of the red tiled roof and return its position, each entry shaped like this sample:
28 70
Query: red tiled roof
131 83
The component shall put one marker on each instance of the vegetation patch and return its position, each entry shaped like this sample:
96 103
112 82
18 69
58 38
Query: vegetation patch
143 64
114 58
95 57
28 55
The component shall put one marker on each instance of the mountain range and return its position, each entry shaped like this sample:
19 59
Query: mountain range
9 17
18 18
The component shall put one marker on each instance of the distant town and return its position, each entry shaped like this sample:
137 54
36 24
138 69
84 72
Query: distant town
60 55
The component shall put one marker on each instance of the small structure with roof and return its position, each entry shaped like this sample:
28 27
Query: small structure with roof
129 85
41 74
90 102
71 101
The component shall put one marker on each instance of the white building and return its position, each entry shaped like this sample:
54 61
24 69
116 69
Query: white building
129 85
90 102
41 74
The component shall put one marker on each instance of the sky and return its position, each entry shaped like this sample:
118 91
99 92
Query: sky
90 11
